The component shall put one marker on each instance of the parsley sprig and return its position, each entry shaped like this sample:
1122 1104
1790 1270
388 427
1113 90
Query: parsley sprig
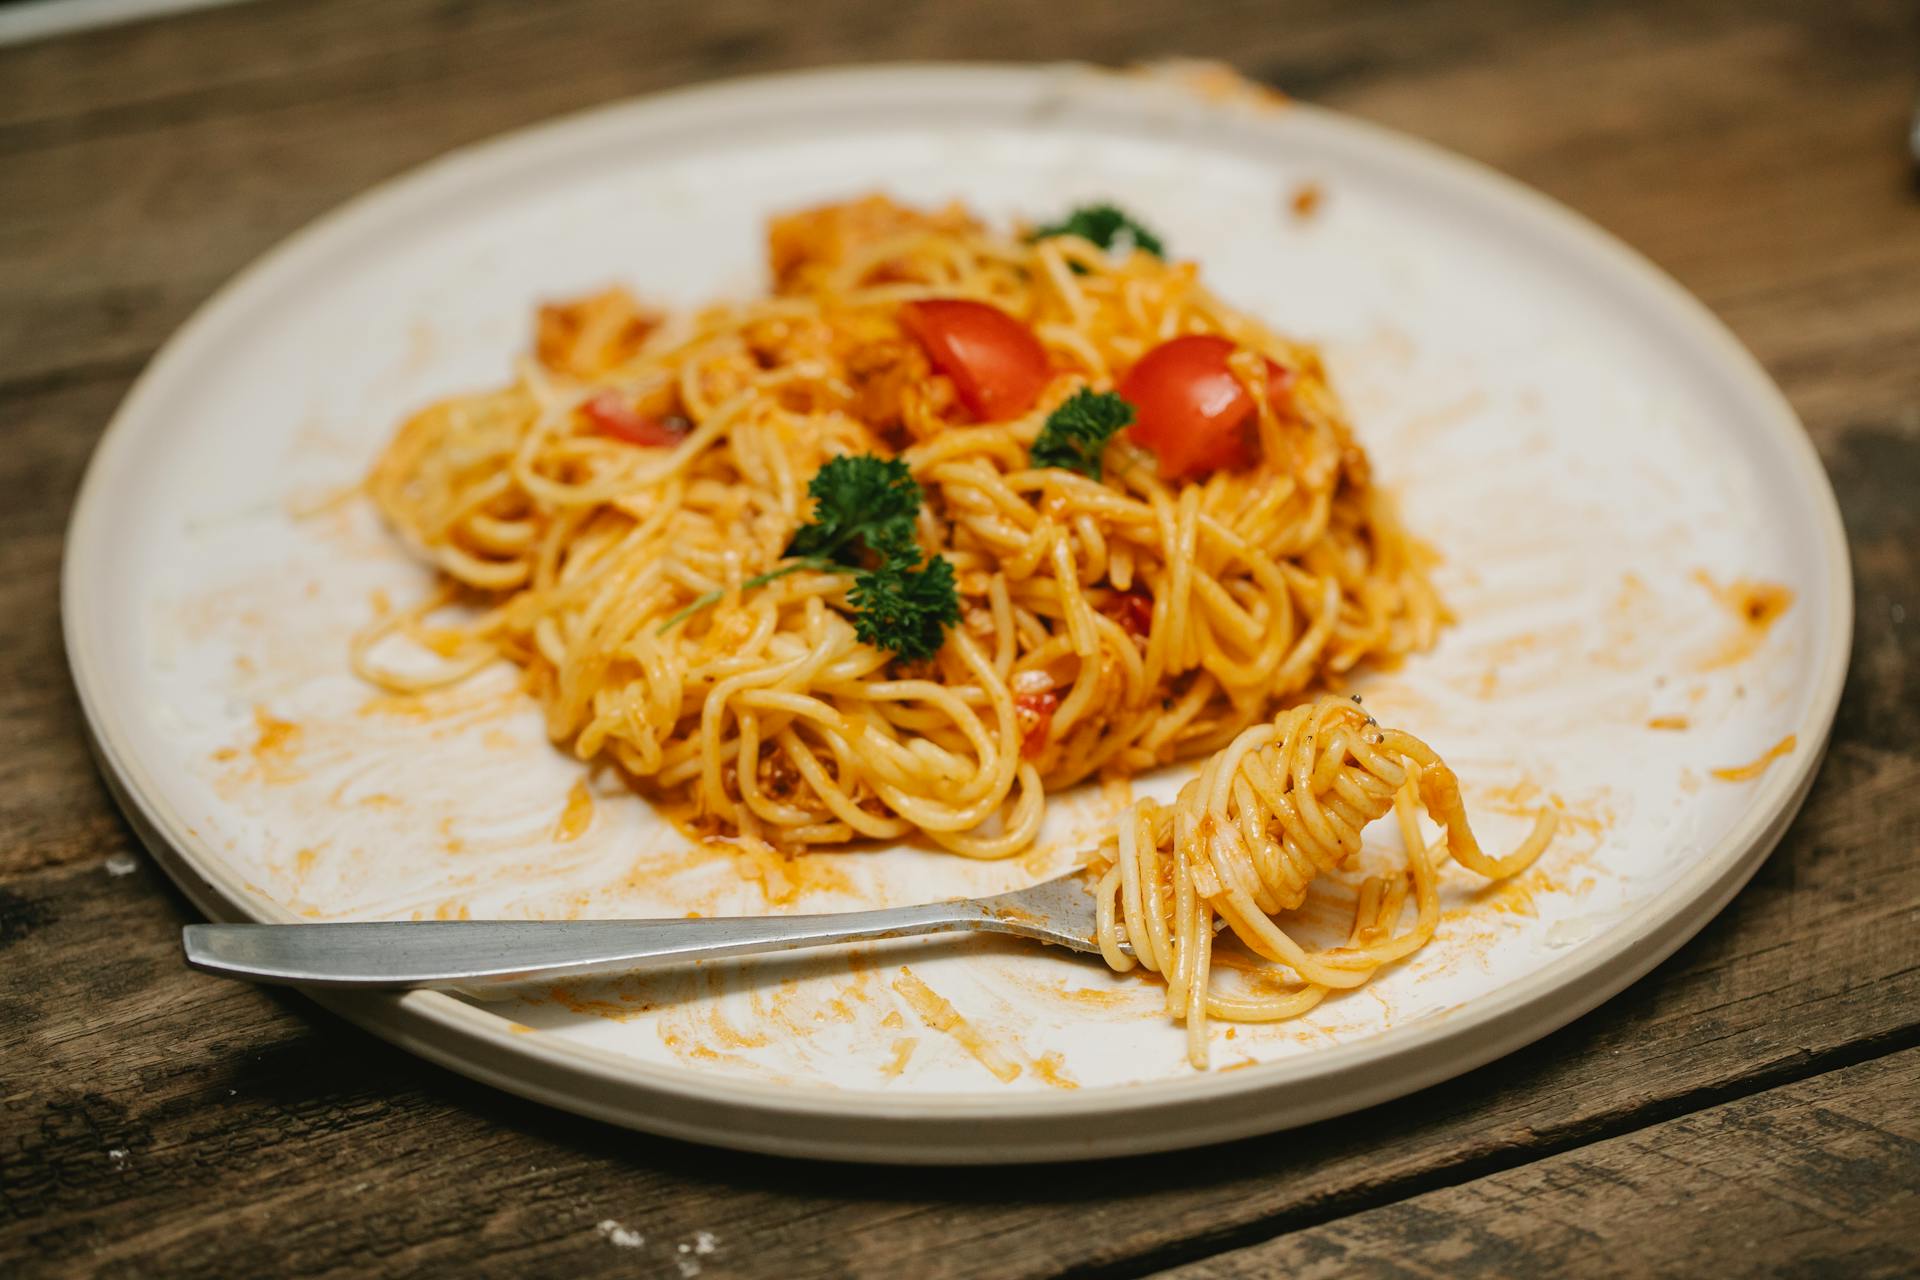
1106 225
863 513
904 609
860 504
1077 432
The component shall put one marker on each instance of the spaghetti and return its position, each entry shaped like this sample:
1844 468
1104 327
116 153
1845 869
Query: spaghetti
874 556
640 465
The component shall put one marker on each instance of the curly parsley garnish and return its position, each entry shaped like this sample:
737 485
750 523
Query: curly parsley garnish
1077 432
859 502
904 609
863 513
1107 226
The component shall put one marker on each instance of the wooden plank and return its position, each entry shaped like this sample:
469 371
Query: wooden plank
1830 1165
145 166
53 808
226 64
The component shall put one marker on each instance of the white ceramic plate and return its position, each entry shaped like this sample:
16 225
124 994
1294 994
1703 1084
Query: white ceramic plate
1585 444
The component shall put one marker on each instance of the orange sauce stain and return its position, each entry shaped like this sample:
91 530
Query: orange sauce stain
454 705
1753 769
382 800
1093 997
274 745
902 1051
1525 799
275 734
1669 722
577 816
695 1052
1237 961
1525 644
587 1006
408 705
772 871
893 1020
1511 897
1756 606
276 740
303 861
781 877
498 740
725 1033
1306 200
1264 978
1051 1068
1521 798
943 1017
787 1005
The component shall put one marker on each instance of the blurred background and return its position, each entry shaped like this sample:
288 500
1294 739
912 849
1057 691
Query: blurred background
154 157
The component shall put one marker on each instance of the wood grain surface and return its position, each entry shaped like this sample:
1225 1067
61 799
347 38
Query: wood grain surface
1684 1196
1749 1108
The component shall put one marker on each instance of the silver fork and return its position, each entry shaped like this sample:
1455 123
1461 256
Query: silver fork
466 953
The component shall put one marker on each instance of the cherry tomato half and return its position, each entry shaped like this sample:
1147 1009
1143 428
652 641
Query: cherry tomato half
1191 410
613 416
997 365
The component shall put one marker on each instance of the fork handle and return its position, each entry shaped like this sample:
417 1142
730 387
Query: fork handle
448 953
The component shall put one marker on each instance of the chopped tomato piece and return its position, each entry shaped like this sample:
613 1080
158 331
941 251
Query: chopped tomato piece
613 416
1193 413
1133 610
1036 717
998 367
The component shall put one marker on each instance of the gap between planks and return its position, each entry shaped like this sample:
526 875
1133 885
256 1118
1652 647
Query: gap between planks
1249 1235
1828 1163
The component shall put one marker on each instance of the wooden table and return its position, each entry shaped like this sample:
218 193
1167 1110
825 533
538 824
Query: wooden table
1753 1106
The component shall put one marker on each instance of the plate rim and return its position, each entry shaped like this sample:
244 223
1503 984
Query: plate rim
981 1126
